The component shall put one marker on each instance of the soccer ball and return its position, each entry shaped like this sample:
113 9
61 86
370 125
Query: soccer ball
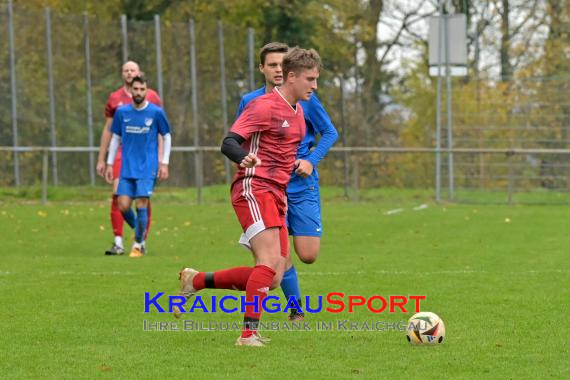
425 328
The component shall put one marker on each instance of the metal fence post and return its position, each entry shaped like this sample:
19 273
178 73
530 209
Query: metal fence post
251 58
449 111
45 176
89 97
13 92
227 167
51 94
510 186
356 179
344 132
125 38
158 56
195 116
438 110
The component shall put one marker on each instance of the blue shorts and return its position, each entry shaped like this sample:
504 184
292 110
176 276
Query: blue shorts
135 188
304 213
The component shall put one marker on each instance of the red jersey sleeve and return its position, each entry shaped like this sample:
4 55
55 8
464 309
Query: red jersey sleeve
152 96
256 117
109 107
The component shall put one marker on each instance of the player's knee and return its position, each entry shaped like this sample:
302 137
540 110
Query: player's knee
124 207
276 281
308 255
307 249
309 259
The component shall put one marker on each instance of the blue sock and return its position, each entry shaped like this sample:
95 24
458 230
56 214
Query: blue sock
129 216
290 285
142 221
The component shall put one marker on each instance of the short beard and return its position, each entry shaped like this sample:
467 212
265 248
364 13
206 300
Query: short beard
138 100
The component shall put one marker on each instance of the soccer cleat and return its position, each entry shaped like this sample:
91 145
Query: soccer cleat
143 249
136 252
255 340
296 316
264 340
186 277
115 250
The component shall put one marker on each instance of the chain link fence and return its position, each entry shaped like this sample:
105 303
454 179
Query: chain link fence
58 70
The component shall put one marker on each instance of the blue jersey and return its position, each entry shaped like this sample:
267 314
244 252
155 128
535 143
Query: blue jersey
139 129
318 122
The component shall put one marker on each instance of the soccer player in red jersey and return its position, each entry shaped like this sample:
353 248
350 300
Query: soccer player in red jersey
116 99
263 142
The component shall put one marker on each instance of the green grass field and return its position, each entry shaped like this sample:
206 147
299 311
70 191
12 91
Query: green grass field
501 286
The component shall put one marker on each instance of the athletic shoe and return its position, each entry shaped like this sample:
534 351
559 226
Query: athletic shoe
255 340
186 277
295 316
136 252
115 250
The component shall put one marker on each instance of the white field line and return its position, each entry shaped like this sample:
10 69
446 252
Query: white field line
399 210
395 211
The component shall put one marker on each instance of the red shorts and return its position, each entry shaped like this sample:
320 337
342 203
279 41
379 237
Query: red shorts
258 212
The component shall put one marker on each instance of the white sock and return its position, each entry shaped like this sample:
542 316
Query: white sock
136 245
119 241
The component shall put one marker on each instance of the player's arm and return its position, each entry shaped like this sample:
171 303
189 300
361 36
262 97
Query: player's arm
113 148
164 151
232 149
322 122
104 144
254 118
155 99
165 156
116 133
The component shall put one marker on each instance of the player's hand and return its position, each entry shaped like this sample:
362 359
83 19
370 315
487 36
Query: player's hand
303 168
109 174
162 172
250 161
101 168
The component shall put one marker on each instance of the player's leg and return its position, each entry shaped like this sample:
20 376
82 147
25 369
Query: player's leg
143 190
140 227
117 220
304 221
266 274
149 208
262 234
126 191
307 248
270 248
149 217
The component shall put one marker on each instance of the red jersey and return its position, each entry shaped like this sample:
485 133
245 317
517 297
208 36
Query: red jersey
273 130
122 97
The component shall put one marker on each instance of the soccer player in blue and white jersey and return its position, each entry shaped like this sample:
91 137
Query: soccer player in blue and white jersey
303 196
136 126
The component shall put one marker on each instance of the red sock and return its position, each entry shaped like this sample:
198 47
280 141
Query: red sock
149 219
234 278
257 285
117 220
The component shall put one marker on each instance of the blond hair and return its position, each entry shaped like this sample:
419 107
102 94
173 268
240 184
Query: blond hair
298 59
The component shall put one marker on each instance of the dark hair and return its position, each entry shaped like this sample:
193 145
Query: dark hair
298 59
272 47
140 79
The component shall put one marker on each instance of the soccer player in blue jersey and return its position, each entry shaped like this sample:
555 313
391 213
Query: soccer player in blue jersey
303 196
136 126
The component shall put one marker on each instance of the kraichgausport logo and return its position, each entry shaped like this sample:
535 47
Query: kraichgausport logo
333 302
